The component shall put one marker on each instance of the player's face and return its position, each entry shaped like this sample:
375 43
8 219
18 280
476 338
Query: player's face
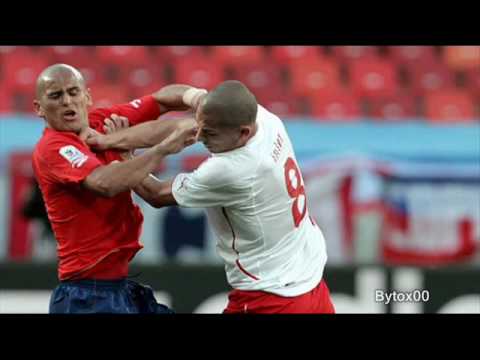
217 139
64 103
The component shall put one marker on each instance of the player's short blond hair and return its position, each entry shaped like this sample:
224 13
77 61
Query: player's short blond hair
231 104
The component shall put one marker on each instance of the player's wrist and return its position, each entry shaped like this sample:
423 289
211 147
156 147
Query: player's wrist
192 96
160 150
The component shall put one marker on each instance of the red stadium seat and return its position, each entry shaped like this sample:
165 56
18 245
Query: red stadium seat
135 92
335 106
21 67
315 77
172 54
462 57
105 95
72 55
449 106
117 60
263 79
192 162
413 55
5 50
283 105
146 79
85 59
21 100
6 102
237 55
354 53
81 57
202 72
93 74
473 82
393 108
373 78
123 55
294 55
430 78
77 56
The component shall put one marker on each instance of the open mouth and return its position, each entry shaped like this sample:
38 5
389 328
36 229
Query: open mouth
70 115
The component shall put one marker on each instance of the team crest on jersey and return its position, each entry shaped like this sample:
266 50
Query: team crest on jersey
73 155
182 185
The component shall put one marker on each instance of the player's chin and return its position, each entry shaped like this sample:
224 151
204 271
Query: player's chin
211 149
76 127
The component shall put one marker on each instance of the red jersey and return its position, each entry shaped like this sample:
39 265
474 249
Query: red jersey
96 236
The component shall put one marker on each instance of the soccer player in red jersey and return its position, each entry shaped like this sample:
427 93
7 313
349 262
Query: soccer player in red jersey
88 193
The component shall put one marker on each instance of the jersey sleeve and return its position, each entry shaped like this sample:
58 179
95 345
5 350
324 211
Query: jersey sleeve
210 185
66 159
137 111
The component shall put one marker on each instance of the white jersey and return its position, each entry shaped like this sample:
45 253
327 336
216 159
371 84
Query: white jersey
255 202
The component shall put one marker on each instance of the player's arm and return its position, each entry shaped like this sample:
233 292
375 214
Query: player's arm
178 97
149 108
156 192
140 136
116 177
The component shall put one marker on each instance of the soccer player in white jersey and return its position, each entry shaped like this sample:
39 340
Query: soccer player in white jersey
254 196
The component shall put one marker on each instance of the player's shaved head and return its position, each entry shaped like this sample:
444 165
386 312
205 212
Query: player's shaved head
54 72
230 104
62 98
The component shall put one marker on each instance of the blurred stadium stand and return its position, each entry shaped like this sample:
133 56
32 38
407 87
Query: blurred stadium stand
388 139
317 90
394 82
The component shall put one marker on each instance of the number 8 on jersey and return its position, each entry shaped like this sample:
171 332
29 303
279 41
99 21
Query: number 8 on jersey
296 190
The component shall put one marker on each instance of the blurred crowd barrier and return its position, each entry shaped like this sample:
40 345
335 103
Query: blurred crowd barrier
403 193
369 289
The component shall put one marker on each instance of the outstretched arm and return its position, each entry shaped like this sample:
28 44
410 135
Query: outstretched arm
178 97
140 136
156 192
150 133
116 177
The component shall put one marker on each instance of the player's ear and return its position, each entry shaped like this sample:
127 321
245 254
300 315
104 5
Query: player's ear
89 97
245 131
38 109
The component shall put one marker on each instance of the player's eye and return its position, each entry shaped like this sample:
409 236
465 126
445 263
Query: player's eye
73 92
54 95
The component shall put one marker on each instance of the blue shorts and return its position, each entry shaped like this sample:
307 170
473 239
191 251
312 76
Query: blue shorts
99 296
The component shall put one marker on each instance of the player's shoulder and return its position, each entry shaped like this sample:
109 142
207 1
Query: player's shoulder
51 136
52 141
218 170
97 116
264 114
268 120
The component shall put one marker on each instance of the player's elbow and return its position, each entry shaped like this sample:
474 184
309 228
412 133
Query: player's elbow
160 200
101 186
155 204
109 192
154 200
